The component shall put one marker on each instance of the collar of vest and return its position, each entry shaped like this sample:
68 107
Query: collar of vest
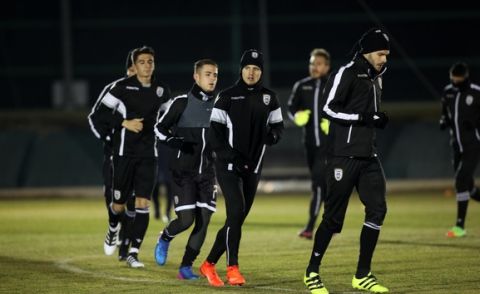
198 93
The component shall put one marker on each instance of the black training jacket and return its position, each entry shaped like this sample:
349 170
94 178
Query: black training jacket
241 120
354 90
126 100
461 112
189 117
307 94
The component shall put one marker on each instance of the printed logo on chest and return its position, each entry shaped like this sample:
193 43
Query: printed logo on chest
266 99
469 100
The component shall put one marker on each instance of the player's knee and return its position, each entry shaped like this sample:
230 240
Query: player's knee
376 216
142 202
334 226
186 219
117 208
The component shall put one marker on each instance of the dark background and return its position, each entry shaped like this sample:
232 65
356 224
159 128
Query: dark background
428 39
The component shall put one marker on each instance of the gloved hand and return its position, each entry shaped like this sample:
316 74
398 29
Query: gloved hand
301 117
443 123
374 119
187 147
175 142
242 165
325 125
271 138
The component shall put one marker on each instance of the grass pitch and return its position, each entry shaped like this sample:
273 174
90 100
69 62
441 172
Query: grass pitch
55 246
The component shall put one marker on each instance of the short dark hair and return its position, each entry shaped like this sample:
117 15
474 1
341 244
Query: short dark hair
320 52
200 63
459 69
142 50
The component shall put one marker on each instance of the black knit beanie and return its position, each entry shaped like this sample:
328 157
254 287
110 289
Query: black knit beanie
373 40
252 56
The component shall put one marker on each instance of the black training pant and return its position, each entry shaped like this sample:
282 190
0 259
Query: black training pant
345 173
239 192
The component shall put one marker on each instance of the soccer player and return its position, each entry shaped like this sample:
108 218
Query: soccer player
104 132
353 96
304 111
461 114
132 108
246 118
185 127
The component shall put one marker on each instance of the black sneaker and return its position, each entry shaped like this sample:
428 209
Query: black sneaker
133 262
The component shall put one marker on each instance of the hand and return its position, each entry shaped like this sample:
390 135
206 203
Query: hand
134 125
443 123
187 147
241 165
301 117
325 125
380 120
271 138
175 142
374 119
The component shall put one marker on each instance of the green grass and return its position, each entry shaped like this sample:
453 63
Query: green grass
55 246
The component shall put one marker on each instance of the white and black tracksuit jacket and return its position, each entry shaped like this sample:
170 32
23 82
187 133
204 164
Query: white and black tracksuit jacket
351 92
241 120
189 117
306 95
126 100
461 112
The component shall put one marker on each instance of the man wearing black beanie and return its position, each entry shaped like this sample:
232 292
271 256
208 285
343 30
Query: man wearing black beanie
353 96
246 118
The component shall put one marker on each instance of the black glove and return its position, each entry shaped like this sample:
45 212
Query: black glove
374 119
241 165
271 139
175 142
443 123
187 147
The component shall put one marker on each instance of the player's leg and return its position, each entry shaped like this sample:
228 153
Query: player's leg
144 180
230 183
371 189
185 204
122 182
156 200
126 228
475 191
206 206
465 164
341 176
315 199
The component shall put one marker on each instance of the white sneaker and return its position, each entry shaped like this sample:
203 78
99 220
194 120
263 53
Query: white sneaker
132 261
111 238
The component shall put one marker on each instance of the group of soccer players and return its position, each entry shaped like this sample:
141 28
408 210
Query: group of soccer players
223 138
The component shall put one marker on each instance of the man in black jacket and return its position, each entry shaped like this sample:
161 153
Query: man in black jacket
461 114
184 127
131 108
304 110
102 131
353 98
246 118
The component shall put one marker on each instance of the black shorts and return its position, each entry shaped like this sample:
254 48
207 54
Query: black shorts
194 190
133 174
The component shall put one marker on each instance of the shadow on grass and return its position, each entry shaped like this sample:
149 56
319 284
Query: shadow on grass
427 244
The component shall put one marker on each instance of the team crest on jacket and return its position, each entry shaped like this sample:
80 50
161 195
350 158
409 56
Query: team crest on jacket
159 91
266 99
469 100
338 174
